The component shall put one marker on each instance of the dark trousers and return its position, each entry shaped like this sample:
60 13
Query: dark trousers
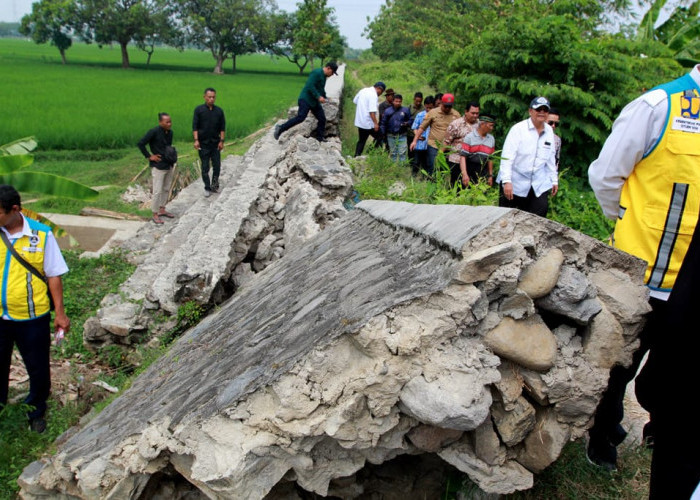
455 173
419 161
610 410
364 134
667 384
432 155
206 155
531 203
477 171
33 339
303 112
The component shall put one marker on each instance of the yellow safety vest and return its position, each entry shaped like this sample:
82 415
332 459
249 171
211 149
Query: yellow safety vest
24 296
660 200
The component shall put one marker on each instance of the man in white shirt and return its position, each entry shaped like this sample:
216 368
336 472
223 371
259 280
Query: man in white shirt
647 178
366 114
528 170
31 266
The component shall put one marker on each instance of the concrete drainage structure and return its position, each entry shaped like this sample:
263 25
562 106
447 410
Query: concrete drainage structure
477 335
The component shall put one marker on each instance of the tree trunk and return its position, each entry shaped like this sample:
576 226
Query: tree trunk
63 56
233 58
148 59
218 69
125 55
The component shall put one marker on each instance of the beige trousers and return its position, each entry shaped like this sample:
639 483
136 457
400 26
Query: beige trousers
161 187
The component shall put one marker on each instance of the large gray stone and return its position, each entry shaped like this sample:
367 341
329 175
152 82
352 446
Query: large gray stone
526 342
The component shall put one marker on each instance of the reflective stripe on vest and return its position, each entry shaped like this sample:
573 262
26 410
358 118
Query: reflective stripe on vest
660 200
24 296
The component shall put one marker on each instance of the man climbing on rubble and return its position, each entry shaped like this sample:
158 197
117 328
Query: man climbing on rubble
312 98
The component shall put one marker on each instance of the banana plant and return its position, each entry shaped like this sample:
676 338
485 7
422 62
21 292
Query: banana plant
16 156
680 32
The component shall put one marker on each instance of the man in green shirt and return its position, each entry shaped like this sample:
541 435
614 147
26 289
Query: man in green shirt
312 96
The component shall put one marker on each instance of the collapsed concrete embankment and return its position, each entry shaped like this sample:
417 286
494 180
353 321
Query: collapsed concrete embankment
479 335
272 199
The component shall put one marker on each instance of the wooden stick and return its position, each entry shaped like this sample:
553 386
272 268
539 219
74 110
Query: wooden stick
139 174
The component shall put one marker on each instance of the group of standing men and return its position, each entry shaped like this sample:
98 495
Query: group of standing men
208 131
528 171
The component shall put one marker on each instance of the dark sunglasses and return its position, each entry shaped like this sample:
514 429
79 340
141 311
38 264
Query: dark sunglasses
552 123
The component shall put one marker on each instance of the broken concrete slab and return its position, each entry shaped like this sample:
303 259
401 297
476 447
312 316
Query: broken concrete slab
325 374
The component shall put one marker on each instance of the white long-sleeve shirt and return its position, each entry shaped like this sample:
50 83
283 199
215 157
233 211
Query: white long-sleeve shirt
634 134
528 159
366 101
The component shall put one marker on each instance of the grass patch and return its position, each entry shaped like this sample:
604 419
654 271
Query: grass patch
92 103
87 282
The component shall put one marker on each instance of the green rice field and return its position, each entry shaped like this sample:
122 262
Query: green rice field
92 103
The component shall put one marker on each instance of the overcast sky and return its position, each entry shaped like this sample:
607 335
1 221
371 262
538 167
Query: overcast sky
351 15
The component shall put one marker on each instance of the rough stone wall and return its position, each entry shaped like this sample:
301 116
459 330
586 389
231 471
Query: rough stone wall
479 335
273 199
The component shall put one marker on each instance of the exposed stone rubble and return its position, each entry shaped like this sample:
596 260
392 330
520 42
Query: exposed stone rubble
464 333
272 200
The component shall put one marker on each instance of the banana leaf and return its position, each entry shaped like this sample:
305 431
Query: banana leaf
40 182
57 230
19 147
15 162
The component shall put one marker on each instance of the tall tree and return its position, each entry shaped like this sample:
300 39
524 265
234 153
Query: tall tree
51 21
281 31
121 21
228 28
315 32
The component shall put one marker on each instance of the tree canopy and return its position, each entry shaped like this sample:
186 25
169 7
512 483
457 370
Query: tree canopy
51 21
505 53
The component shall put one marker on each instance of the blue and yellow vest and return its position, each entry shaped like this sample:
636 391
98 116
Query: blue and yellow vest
660 200
24 296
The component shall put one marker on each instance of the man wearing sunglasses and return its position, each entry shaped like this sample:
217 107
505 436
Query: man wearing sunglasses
553 121
528 170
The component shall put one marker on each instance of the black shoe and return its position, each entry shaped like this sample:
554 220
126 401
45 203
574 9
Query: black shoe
648 435
37 425
278 132
214 189
602 454
321 139
617 436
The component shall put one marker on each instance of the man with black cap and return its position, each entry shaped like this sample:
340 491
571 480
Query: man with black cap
528 170
438 120
477 147
366 114
312 96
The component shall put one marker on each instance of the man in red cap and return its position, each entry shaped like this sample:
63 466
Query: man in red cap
438 120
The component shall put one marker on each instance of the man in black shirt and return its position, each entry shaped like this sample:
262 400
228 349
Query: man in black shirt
160 140
209 129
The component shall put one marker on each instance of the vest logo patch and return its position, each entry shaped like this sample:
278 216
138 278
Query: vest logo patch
690 104
34 240
686 125
32 249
